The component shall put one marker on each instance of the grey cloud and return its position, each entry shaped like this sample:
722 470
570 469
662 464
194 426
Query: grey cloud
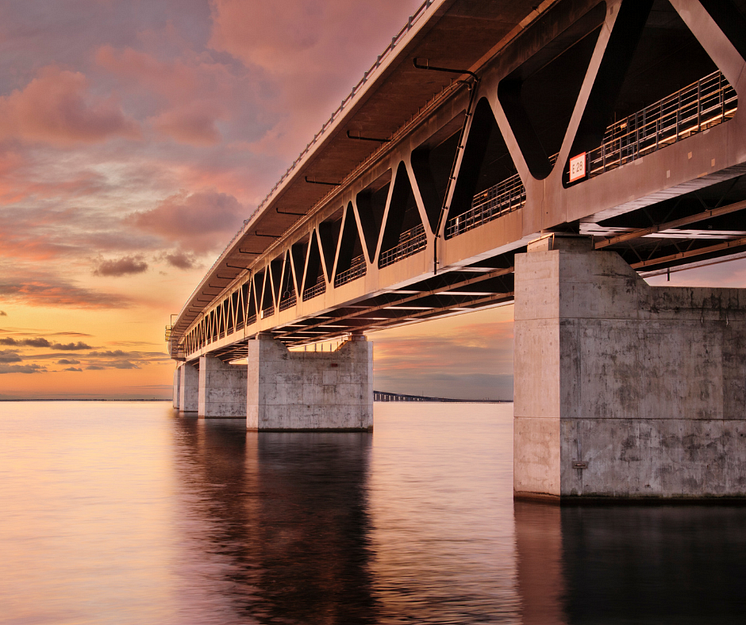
124 364
70 347
127 265
37 342
65 361
73 369
21 369
9 356
42 342
180 260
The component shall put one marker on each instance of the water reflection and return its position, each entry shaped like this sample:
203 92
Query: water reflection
288 520
631 564
124 513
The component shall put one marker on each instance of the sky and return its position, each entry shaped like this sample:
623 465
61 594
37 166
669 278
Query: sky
135 137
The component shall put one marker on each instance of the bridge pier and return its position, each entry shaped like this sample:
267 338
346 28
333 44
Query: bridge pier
222 389
188 388
622 389
177 388
309 390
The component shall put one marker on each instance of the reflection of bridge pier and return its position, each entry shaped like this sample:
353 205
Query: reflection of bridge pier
629 564
481 128
277 525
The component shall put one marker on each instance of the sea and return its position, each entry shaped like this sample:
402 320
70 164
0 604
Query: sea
128 513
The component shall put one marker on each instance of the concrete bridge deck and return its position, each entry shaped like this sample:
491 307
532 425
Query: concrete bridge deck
579 131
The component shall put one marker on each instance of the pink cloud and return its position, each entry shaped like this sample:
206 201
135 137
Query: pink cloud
192 93
55 107
312 51
197 222
194 125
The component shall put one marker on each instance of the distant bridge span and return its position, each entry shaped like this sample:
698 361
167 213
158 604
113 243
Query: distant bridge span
485 129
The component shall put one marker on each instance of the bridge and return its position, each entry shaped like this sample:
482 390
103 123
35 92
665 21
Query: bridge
552 156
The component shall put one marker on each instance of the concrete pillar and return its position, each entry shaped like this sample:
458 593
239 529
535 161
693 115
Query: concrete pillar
222 388
622 389
310 390
177 381
189 388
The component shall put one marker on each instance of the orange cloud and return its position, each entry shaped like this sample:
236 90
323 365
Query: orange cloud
55 107
50 290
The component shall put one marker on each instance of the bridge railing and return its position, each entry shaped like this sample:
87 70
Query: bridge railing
410 242
697 107
316 289
287 301
357 270
504 197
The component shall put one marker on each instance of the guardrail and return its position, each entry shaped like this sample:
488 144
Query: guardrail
316 289
504 197
287 301
357 270
410 242
697 107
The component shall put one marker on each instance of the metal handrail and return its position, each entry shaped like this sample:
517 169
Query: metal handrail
357 269
502 198
316 289
697 107
288 301
410 242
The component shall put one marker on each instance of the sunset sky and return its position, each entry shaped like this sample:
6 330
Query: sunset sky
134 139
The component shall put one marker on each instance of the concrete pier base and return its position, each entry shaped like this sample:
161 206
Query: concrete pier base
310 390
177 388
621 389
188 388
222 389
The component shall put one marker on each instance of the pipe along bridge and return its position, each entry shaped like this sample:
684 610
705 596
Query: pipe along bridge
552 156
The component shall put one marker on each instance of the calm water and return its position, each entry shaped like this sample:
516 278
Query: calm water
126 513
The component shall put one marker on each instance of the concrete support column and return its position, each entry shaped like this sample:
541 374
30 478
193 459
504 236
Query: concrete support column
310 390
177 381
622 389
222 388
188 388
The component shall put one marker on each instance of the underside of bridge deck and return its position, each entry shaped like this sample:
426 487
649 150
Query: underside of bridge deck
483 127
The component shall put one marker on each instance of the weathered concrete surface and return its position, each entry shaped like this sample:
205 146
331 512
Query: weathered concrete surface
177 388
188 388
647 385
222 388
309 390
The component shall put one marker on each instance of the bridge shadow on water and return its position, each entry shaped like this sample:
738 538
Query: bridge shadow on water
280 529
